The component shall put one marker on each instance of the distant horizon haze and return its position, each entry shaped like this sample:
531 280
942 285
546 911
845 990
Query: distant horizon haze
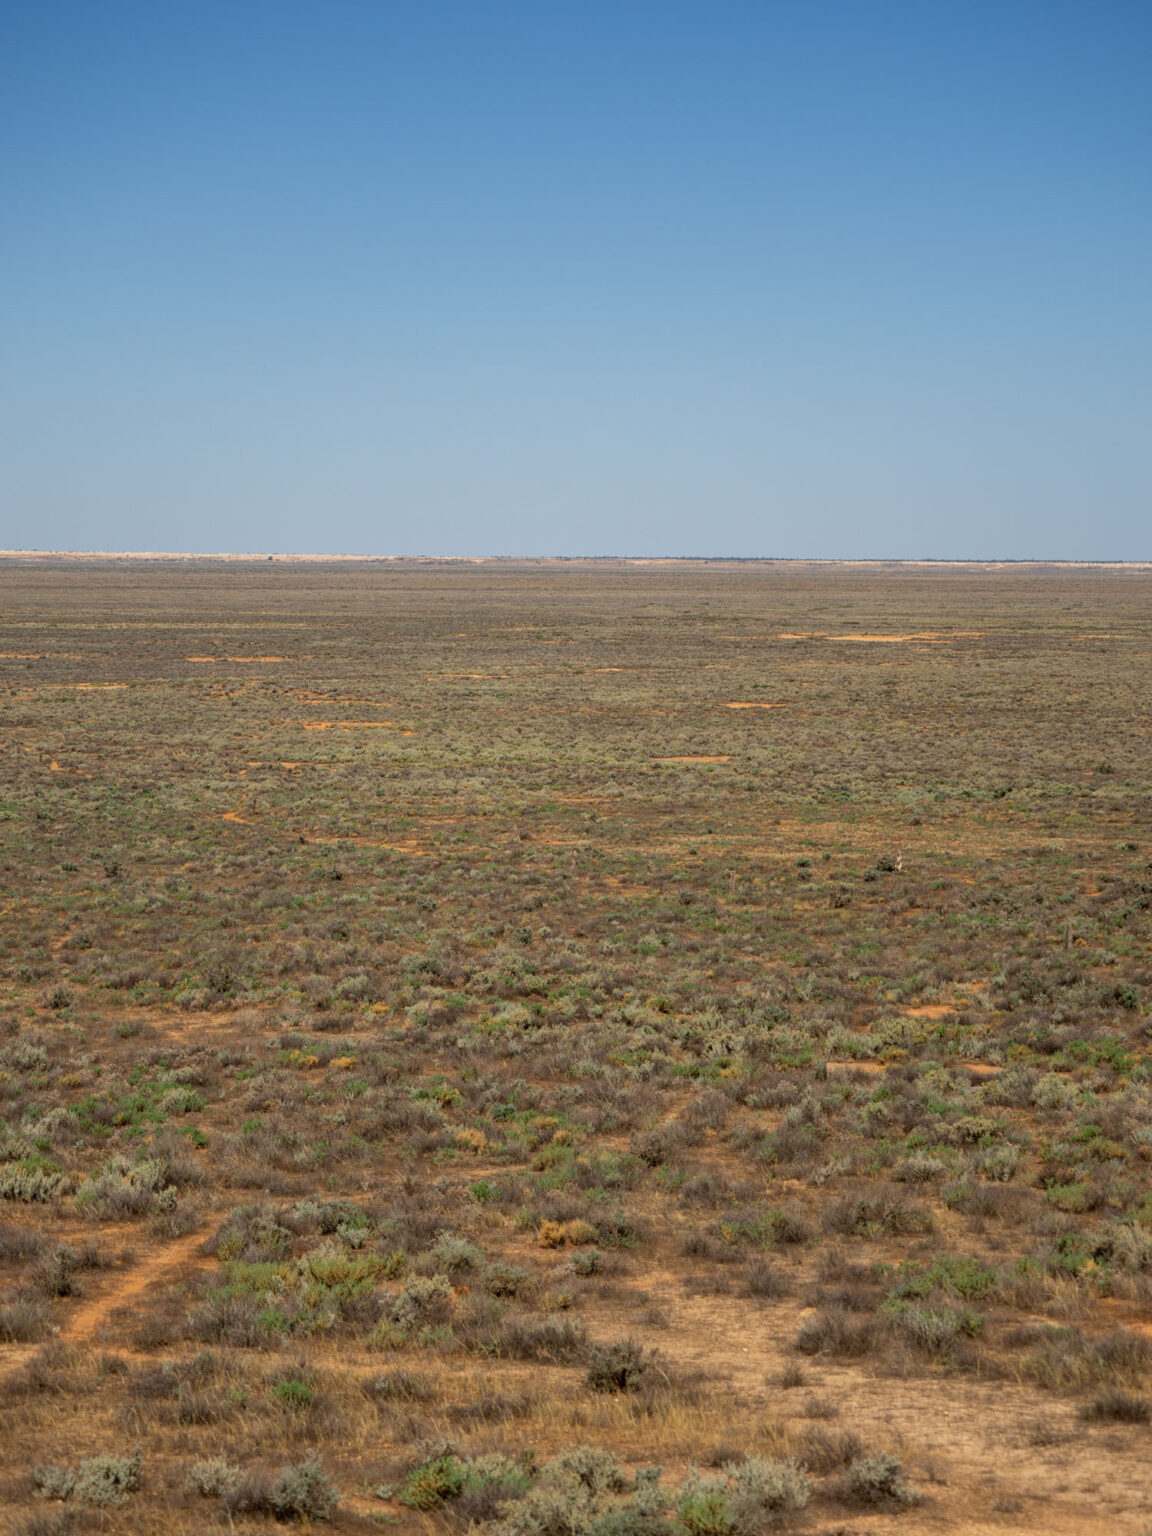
319 557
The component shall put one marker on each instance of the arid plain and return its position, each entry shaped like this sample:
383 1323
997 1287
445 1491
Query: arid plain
472 1034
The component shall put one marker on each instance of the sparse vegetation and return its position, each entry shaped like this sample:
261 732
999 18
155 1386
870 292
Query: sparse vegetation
454 1062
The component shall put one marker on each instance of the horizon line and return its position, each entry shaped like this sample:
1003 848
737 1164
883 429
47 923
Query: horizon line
321 558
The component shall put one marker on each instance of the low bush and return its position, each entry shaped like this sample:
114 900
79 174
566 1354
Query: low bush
766 1282
400 1386
211 1479
433 1482
122 1189
297 1492
99 1481
878 1478
24 1322
1116 1406
743 1498
31 1183
583 1492
559 1339
838 1333
619 1367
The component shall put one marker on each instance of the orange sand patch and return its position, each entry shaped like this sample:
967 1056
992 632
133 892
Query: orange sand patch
244 821
752 704
871 1067
929 1011
925 634
345 725
237 658
696 759
88 1320
1125 1315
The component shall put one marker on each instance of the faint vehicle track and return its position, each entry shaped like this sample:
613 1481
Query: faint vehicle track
87 1319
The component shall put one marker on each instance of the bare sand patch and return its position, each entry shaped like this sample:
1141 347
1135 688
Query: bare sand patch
755 704
697 758
923 634
342 725
87 1320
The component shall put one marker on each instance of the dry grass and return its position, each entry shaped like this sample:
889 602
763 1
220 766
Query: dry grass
572 1057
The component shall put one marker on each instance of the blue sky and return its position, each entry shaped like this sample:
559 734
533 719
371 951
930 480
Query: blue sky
820 278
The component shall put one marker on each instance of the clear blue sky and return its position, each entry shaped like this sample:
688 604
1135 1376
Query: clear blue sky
855 278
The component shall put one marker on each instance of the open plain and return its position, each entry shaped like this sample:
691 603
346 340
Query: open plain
472 1034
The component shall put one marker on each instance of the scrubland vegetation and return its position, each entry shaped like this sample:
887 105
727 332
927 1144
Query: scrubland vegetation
575 1050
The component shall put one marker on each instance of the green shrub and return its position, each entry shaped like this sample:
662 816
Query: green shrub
431 1483
703 1507
1054 1092
575 1493
743 1498
957 1274
294 1393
